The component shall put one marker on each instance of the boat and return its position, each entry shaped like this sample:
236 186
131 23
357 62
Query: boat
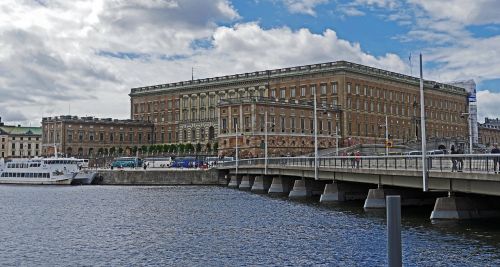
84 177
38 171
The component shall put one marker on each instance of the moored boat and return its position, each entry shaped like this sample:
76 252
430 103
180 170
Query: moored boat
45 171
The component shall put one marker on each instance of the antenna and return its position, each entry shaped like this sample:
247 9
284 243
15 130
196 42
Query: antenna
411 66
192 73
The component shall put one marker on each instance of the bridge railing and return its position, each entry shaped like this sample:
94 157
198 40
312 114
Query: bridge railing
473 163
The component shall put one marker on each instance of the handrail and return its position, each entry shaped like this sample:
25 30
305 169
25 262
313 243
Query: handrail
470 163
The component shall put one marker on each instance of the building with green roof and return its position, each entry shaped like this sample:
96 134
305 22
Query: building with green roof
18 141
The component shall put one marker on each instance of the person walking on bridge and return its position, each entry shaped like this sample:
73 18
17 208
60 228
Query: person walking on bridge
496 159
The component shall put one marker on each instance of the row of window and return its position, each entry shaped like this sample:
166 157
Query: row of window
24 175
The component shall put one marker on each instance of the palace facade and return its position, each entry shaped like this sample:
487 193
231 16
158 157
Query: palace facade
19 142
352 104
89 136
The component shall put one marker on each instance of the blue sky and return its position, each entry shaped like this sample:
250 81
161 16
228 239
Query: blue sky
88 54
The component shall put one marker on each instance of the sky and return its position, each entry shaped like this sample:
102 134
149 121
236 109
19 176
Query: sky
82 57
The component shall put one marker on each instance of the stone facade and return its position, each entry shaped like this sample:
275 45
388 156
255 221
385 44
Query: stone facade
17 141
89 136
489 132
363 95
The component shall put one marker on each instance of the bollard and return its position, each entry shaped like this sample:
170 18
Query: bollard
394 230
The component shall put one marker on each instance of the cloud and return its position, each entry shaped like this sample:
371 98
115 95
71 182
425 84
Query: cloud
303 6
465 12
487 103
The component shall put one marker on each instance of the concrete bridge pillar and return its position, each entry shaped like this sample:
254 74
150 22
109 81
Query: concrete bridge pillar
261 184
235 181
280 186
375 199
246 182
305 188
337 192
459 208
300 190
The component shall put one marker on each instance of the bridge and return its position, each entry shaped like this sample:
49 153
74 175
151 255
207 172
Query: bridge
459 186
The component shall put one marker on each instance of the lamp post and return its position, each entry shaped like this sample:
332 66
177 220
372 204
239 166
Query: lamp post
386 126
265 140
236 156
469 121
315 125
336 141
425 180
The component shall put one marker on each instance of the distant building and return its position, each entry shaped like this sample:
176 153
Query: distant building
89 136
470 87
17 141
352 100
489 132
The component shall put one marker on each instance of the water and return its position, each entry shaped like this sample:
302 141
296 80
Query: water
214 226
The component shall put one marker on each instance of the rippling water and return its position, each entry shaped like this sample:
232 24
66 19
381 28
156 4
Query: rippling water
214 226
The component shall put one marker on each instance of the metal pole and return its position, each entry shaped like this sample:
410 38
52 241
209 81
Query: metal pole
386 137
393 209
315 125
265 142
425 186
236 125
470 133
336 141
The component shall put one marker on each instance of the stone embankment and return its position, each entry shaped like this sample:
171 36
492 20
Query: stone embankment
160 177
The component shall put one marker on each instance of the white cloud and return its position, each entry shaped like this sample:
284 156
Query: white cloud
303 6
487 103
466 12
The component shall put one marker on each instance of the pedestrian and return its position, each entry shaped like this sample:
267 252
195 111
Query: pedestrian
496 160
357 158
351 157
453 159
460 160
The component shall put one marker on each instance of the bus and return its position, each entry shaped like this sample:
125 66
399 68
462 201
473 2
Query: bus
164 162
129 162
186 162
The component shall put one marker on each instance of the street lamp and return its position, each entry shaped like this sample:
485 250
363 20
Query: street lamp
469 120
236 156
386 125
265 140
315 125
425 179
336 141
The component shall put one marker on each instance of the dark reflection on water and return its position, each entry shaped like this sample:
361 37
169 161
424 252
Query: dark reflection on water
213 226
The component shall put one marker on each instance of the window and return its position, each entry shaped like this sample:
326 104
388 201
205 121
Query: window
357 89
273 93
303 91
323 89
348 88
282 93
292 124
292 92
282 123
334 88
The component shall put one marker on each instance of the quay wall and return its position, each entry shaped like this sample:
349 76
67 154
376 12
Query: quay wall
160 177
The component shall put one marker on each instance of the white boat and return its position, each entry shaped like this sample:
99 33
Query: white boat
44 171
84 177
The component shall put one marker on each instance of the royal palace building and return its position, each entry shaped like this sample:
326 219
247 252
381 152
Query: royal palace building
89 136
489 132
352 102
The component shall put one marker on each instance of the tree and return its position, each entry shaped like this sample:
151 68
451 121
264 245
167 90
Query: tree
209 147
105 151
198 147
216 146
100 151
134 149
144 148
120 150
189 147
112 150
181 148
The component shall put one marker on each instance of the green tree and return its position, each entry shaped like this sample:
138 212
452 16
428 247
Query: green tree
134 150
189 147
198 147
106 152
112 150
120 150
100 151
216 146
209 147
181 148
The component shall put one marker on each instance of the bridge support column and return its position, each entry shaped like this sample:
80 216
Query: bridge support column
459 208
337 192
375 199
235 181
280 186
246 182
261 184
300 190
